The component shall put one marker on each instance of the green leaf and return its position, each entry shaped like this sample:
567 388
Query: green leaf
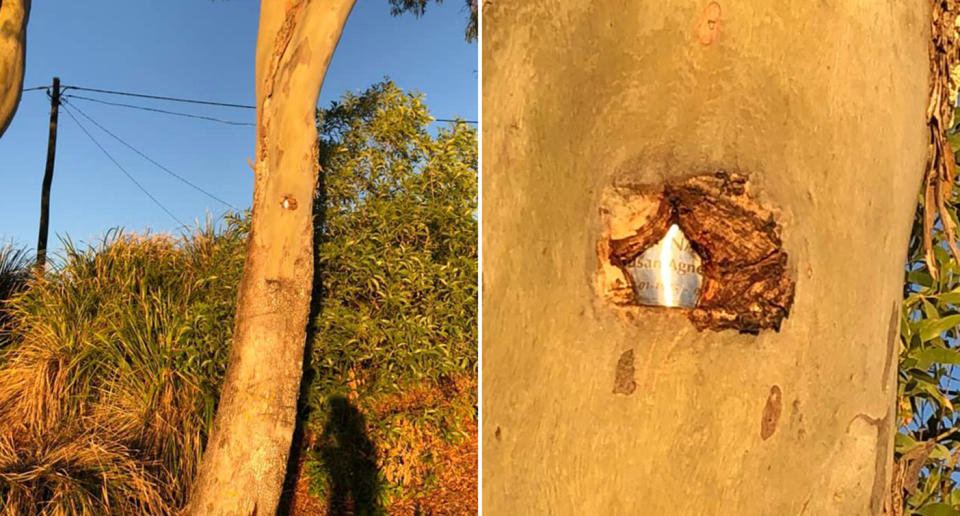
952 298
937 509
930 329
930 311
920 277
937 356
902 443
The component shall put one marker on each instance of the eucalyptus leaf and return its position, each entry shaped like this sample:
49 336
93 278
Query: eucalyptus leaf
937 509
932 328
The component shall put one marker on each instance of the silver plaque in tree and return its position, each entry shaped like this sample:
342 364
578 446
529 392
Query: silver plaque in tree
668 273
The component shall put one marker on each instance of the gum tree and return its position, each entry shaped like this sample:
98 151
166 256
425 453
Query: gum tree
246 456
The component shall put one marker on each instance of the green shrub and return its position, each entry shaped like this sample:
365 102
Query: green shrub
927 446
397 276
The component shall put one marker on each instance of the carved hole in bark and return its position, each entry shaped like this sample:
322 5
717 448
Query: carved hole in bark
288 202
745 283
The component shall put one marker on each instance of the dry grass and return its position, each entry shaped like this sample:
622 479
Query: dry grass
112 372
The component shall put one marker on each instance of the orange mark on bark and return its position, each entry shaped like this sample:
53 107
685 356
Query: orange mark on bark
771 413
708 28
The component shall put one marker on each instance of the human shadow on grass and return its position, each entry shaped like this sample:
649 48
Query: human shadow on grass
348 455
350 458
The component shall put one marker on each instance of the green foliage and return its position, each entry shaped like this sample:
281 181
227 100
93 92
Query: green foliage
397 245
929 383
396 257
114 357
419 8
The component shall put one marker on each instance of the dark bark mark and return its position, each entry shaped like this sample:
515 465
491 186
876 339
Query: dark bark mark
796 420
771 413
893 336
624 382
497 434
745 281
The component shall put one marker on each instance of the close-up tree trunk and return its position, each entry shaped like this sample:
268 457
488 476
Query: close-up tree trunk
14 15
246 456
821 106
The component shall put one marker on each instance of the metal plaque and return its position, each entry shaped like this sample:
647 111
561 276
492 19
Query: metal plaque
669 273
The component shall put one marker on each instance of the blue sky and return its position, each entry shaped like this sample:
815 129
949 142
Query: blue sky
198 49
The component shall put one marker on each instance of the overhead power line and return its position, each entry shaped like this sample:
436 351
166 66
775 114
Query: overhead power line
129 176
151 160
159 97
183 100
177 113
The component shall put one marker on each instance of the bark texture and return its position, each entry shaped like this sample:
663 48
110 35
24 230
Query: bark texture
822 106
245 459
13 50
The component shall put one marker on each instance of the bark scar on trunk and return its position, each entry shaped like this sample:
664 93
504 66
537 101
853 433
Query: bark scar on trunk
771 413
746 285
624 381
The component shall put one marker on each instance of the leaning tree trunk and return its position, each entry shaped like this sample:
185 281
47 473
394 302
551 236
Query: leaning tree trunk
593 407
13 49
245 460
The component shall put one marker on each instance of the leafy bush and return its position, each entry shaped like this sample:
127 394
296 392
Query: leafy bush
397 274
927 447
115 355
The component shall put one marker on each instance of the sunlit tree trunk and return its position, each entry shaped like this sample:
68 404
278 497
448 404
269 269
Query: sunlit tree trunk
822 105
13 48
245 459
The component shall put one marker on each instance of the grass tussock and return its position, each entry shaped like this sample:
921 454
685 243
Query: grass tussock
114 372
14 272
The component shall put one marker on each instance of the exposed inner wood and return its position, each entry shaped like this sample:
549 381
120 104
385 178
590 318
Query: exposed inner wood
745 281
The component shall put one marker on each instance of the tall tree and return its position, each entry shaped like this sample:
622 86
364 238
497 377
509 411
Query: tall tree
13 49
590 409
245 459
246 456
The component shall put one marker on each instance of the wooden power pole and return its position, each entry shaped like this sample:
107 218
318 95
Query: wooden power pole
48 175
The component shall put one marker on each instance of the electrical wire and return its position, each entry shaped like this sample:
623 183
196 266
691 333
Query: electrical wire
177 113
130 177
151 160
158 97
188 101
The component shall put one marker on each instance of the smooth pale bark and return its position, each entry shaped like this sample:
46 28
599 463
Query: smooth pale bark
822 105
245 459
13 49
